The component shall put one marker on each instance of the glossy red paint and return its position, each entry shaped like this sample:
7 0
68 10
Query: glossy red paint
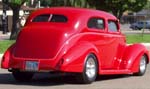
64 46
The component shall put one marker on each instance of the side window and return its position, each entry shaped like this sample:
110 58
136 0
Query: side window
112 26
96 23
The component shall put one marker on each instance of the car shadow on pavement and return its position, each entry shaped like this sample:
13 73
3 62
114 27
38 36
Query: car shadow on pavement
38 80
111 77
50 80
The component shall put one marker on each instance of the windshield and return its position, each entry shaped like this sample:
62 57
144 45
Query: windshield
50 18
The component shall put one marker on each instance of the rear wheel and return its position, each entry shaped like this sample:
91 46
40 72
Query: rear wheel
90 70
142 66
22 76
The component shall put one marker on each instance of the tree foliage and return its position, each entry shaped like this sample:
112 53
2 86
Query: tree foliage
147 6
73 3
45 3
14 3
117 7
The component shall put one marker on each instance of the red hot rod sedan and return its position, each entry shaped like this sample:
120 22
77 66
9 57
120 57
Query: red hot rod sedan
73 40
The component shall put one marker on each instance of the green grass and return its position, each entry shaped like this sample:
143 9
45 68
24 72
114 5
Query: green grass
138 38
5 44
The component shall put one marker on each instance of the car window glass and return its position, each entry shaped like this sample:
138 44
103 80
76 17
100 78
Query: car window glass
112 26
41 18
58 18
96 23
50 18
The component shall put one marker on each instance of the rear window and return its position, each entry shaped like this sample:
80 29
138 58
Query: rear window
50 18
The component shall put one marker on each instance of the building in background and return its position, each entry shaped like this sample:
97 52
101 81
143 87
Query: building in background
131 17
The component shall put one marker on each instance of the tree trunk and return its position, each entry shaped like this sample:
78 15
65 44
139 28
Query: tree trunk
74 3
54 3
100 5
120 15
117 13
15 25
67 3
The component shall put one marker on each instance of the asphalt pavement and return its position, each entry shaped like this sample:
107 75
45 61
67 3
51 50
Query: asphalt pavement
49 81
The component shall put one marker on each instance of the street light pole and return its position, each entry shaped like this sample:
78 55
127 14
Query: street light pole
4 19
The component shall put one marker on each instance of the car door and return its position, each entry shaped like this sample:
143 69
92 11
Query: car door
98 37
113 41
103 36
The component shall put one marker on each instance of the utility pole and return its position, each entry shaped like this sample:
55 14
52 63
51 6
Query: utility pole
4 18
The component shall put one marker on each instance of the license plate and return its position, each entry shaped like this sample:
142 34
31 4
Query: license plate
31 66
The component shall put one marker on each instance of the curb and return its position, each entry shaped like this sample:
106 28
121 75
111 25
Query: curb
1 56
146 44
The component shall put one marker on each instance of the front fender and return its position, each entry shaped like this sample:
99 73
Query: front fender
73 60
132 56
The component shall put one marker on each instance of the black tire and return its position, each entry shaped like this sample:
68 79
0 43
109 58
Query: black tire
89 74
136 28
139 28
22 76
142 66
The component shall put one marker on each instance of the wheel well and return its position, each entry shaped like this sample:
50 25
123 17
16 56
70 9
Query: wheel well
147 59
97 61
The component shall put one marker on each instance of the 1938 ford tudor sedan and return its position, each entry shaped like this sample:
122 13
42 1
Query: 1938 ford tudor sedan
73 40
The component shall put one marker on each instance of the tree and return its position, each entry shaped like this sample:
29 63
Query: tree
74 3
79 3
147 6
46 3
117 7
15 5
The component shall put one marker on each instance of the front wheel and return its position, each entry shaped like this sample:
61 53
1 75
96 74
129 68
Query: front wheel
90 70
22 76
142 66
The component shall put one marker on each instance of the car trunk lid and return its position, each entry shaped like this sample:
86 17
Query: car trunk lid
41 42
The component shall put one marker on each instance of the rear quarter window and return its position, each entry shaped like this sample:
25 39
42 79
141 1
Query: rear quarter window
96 23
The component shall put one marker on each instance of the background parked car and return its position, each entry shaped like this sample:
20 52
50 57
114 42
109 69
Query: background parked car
140 25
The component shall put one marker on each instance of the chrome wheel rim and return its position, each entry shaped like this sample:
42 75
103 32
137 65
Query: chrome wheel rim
90 68
143 64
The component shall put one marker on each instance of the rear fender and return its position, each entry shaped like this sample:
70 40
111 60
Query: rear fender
132 56
73 60
6 57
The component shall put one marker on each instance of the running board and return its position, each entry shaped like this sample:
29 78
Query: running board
115 72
